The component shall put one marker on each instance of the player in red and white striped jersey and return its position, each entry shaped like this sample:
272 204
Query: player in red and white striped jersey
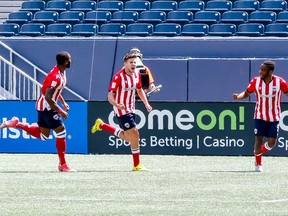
121 95
49 112
268 89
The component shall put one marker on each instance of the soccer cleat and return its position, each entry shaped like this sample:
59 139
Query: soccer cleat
258 168
96 126
65 168
10 123
139 167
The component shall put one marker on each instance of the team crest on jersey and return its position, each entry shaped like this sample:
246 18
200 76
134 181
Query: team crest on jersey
53 84
127 125
56 117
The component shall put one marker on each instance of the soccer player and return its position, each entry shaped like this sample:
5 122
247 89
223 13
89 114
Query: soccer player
121 95
268 89
49 112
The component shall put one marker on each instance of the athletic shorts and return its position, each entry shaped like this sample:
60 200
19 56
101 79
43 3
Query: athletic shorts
266 129
127 121
49 119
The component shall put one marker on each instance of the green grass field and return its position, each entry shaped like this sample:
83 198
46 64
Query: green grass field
175 185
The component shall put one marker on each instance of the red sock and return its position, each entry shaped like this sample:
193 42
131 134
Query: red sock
111 129
264 149
136 156
33 130
258 159
61 148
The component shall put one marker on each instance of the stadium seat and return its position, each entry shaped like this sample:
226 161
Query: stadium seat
273 5
207 17
153 17
33 6
162 5
45 17
86 30
250 29
247 5
112 29
180 17
167 29
218 5
71 17
138 6
282 17
277 29
264 17
58 29
125 17
83 5
139 29
19 17
222 29
234 17
58 5
98 17
195 30
32 29
191 5
110 5
9 29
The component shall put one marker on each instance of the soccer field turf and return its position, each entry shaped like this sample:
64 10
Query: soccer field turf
175 185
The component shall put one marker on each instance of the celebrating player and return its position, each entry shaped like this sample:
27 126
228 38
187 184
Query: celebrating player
268 89
49 112
121 95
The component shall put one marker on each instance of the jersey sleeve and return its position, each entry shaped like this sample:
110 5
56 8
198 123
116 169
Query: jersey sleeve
52 81
114 83
251 87
283 86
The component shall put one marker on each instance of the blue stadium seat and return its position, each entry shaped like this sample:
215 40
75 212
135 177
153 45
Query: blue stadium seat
167 29
191 5
45 17
71 17
9 29
234 17
273 5
153 17
264 17
83 5
110 5
282 17
98 17
277 29
125 17
207 17
58 29
139 29
112 29
164 5
222 29
58 5
247 5
32 29
250 29
218 5
86 30
19 17
195 30
138 6
180 17
33 6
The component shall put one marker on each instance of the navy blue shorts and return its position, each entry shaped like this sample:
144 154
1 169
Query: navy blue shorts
127 121
49 119
266 129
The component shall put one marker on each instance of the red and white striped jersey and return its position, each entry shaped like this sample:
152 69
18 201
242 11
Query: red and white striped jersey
268 97
124 87
56 80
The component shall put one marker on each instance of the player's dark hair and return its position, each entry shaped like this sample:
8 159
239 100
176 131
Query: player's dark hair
136 51
269 64
129 56
61 57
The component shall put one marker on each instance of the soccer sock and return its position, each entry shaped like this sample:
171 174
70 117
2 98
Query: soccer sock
265 148
136 156
258 159
33 130
61 149
111 129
